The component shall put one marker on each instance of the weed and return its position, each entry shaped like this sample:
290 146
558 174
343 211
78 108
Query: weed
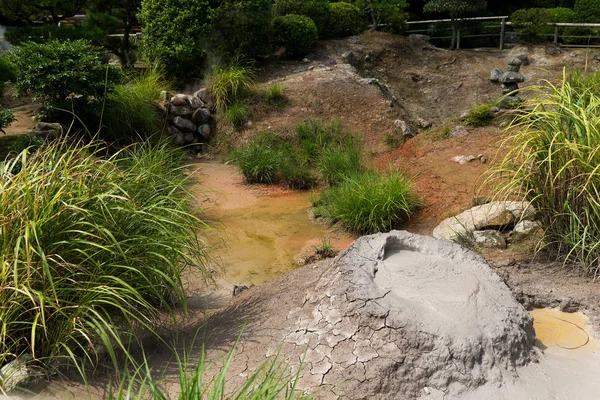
325 249
91 248
274 94
368 202
393 140
479 115
237 113
554 161
229 82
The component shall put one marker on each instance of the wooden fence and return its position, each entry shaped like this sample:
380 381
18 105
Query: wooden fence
500 24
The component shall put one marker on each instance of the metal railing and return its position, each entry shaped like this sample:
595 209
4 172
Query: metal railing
501 26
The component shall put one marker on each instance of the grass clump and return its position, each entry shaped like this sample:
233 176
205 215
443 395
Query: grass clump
229 82
337 162
91 248
368 202
554 162
260 160
237 113
130 113
479 115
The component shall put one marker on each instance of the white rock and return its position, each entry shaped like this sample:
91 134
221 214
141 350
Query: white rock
489 238
524 229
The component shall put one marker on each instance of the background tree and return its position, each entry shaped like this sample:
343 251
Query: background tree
27 11
454 9
387 12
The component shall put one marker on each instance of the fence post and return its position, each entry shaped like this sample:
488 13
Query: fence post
502 27
458 39
555 34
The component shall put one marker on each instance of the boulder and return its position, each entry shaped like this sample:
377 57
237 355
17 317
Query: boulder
195 102
406 129
489 239
495 75
184 124
524 59
511 77
459 131
200 116
400 313
487 216
181 111
524 229
179 100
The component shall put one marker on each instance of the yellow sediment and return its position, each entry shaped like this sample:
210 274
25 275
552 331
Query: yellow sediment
554 328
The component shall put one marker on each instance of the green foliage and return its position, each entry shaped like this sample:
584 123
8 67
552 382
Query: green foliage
553 163
325 249
346 20
295 171
454 8
261 159
532 22
27 141
275 94
6 118
44 33
317 10
242 26
314 136
91 248
389 13
587 10
7 73
130 113
228 83
29 11
174 35
237 113
296 33
337 162
63 72
368 202
479 115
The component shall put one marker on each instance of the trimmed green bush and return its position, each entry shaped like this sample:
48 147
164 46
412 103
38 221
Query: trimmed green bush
92 248
63 74
346 20
175 34
296 33
317 10
531 22
45 33
242 26
368 202
587 10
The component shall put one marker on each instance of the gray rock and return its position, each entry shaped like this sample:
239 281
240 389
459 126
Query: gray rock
553 50
15 373
495 75
195 102
524 229
406 129
463 115
181 111
184 124
349 57
490 238
423 123
487 216
511 77
458 131
189 138
508 88
509 101
200 116
49 126
397 304
524 59
178 139
514 68
204 131
495 109
573 54
180 100
204 95
516 62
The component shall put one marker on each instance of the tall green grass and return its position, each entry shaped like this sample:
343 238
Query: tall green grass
229 82
130 112
368 202
553 161
92 248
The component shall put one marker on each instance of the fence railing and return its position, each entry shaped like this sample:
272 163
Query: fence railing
501 25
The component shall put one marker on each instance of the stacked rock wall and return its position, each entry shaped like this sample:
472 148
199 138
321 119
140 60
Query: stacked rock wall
189 117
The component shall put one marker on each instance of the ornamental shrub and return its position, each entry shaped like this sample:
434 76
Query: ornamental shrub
174 35
296 33
317 10
63 74
587 10
345 20
532 22
241 26
44 33
7 73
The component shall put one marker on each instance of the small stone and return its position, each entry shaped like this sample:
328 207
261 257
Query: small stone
573 54
195 102
181 111
423 123
179 100
553 50
489 239
483 159
406 129
494 109
204 95
15 373
178 139
204 131
462 160
495 75
524 229
305 60
184 124
515 61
